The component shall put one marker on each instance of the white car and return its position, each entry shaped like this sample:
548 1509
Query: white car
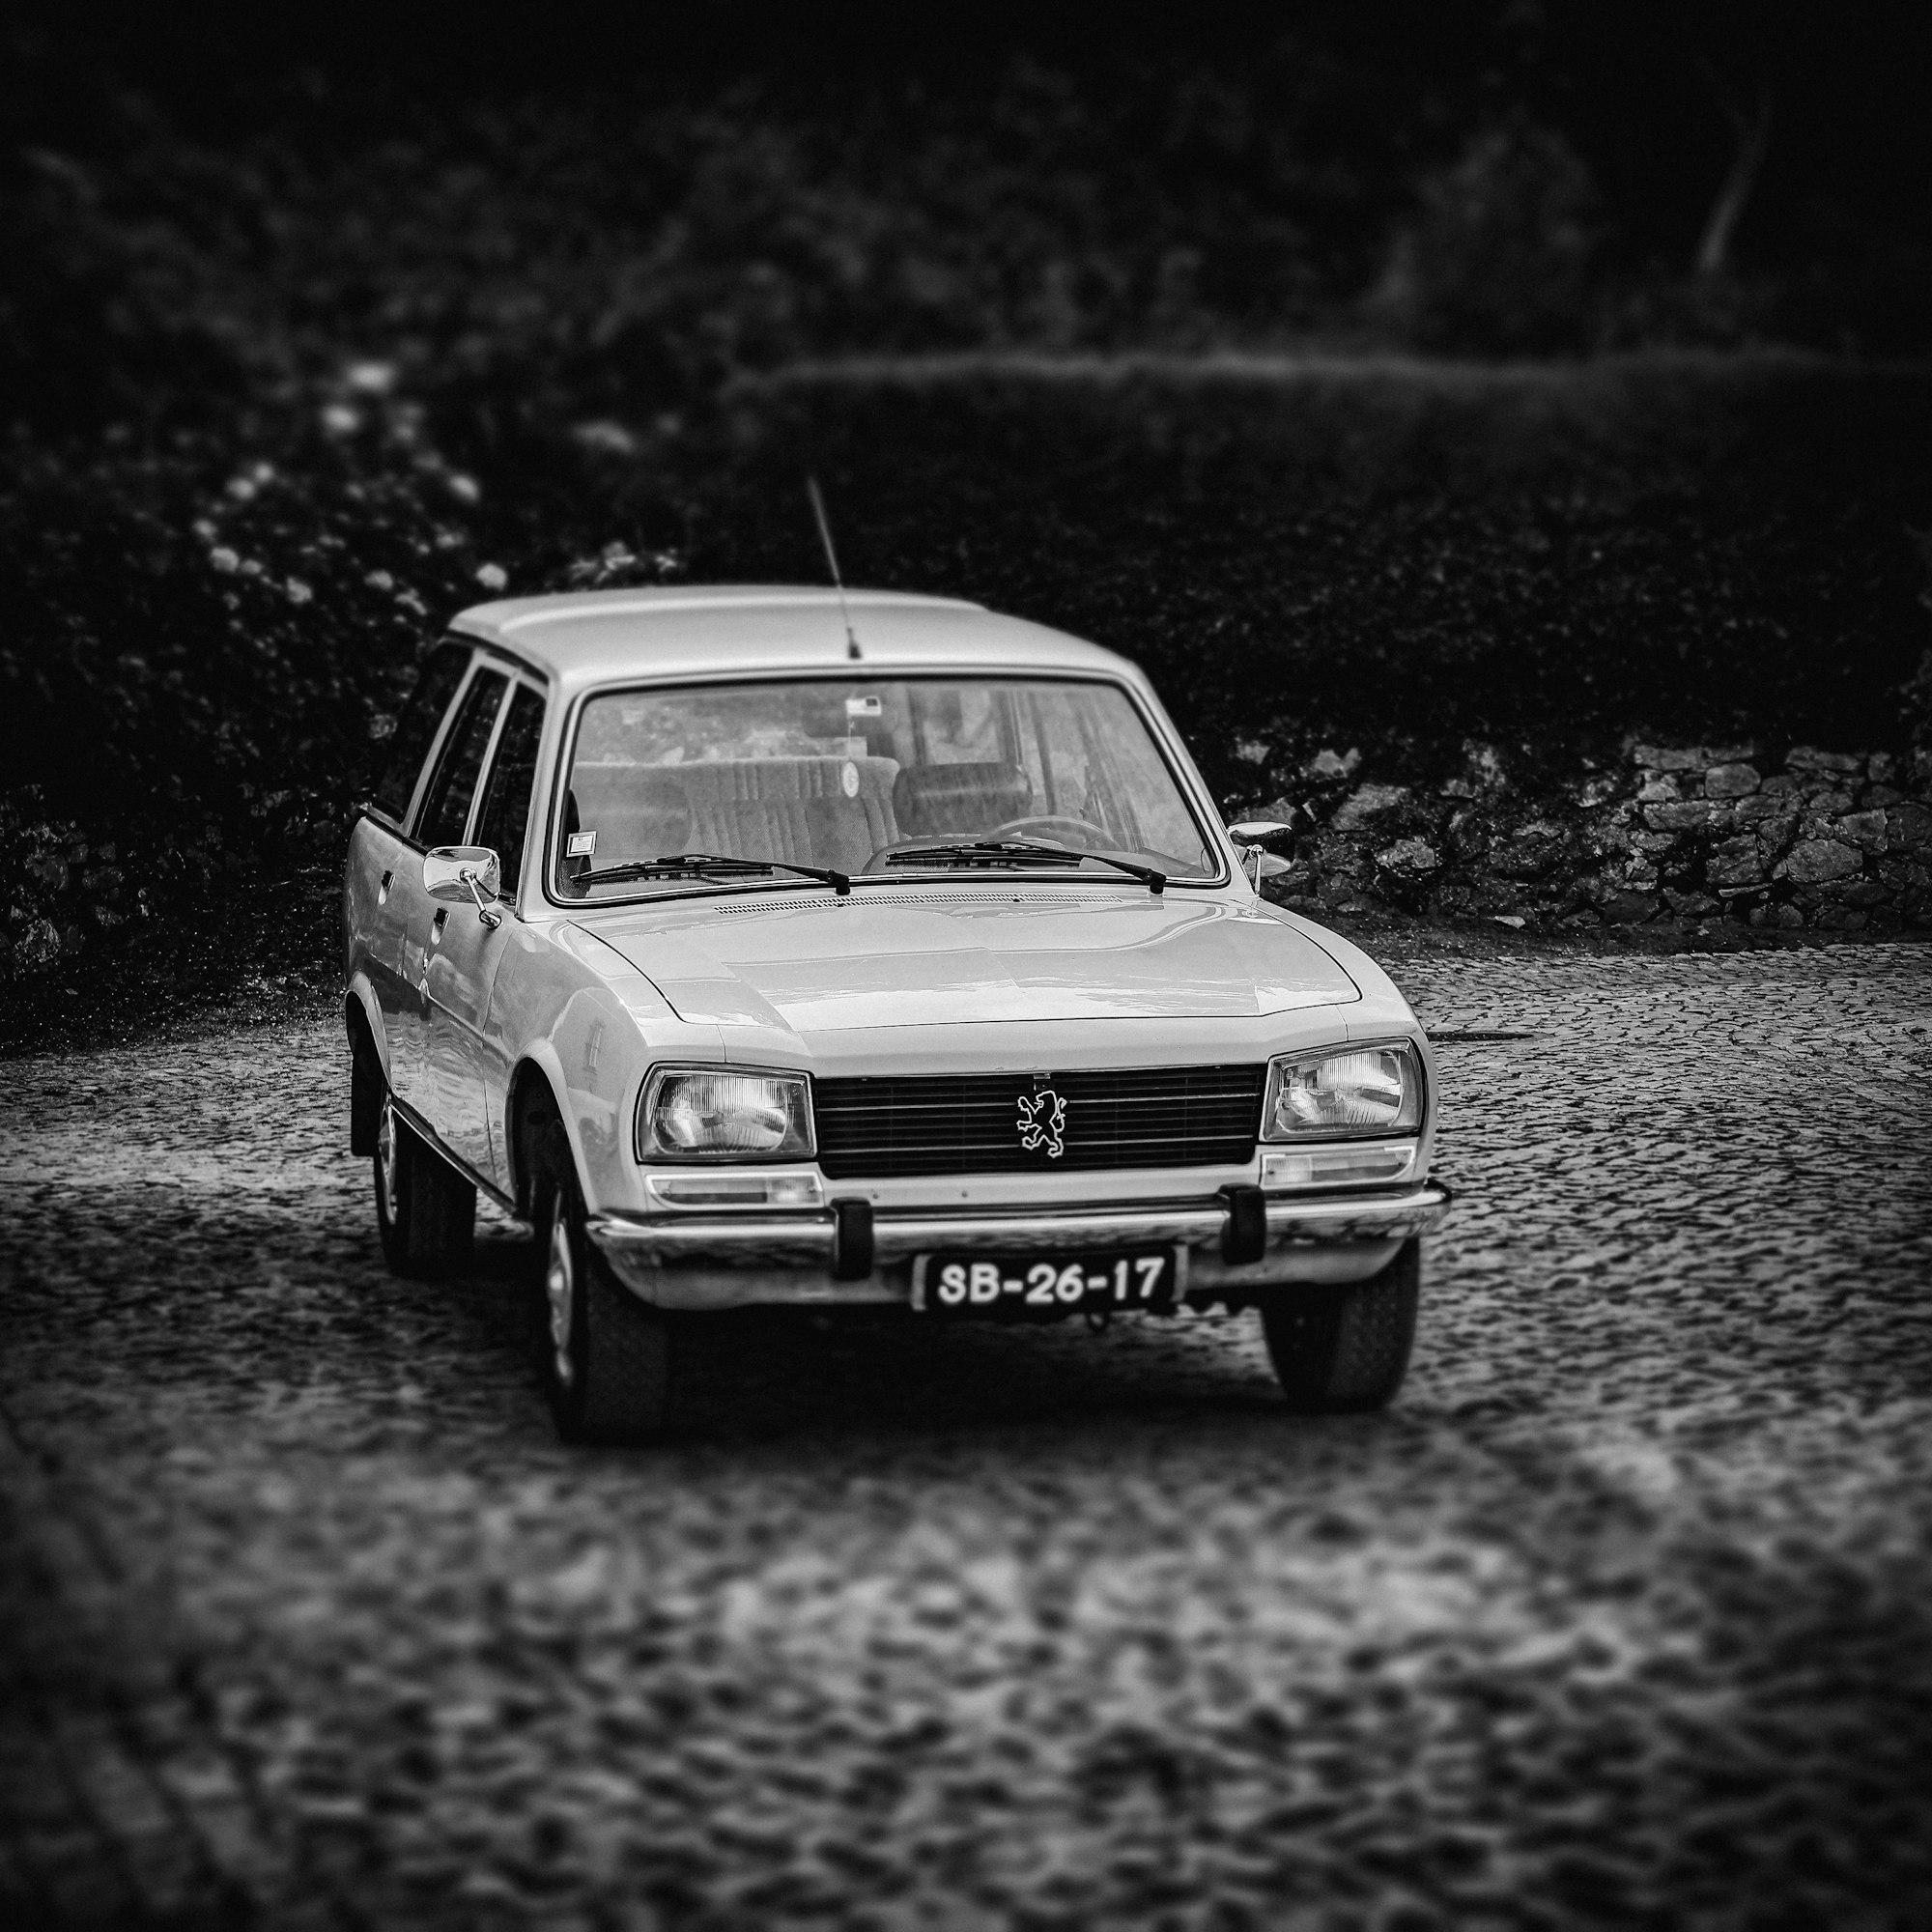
760 957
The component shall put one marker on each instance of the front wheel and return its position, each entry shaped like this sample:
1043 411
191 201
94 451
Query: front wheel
607 1356
1342 1350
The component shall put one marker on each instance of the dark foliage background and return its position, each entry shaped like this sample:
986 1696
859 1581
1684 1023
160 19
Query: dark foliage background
313 334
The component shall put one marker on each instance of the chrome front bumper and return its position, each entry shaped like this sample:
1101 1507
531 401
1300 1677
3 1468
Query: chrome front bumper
746 1259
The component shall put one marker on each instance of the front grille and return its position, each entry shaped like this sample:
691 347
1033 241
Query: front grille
1133 1117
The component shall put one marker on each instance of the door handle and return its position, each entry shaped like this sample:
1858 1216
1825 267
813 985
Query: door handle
436 925
383 890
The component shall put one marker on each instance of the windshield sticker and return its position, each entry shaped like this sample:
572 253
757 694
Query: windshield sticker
579 845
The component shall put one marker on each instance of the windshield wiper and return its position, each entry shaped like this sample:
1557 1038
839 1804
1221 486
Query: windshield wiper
702 864
987 851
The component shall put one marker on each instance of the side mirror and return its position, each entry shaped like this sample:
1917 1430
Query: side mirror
465 875
1250 833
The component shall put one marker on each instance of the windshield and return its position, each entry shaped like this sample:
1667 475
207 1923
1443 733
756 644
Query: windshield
868 775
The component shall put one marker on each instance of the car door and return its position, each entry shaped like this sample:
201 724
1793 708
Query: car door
384 858
418 1074
471 1061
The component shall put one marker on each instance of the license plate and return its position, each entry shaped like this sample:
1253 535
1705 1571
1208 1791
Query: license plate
1036 1288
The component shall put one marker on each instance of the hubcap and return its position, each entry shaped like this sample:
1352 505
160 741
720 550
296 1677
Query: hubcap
560 1292
385 1160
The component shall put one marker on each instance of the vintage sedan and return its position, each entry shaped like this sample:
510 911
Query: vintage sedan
761 951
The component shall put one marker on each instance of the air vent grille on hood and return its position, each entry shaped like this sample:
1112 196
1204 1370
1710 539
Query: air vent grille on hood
1075 899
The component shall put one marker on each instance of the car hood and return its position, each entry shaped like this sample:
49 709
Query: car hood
950 956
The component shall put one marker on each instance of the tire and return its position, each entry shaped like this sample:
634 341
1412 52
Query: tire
425 1210
607 1357
1344 1350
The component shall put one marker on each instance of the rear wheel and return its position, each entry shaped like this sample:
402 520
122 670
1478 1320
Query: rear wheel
425 1210
1345 1349
607 1356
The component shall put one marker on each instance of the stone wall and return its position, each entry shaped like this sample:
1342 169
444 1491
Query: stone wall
1684 835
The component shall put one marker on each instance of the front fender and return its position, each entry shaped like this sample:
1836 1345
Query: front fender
592 1059
578 1015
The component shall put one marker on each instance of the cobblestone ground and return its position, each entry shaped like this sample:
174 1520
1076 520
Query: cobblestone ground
1623 1614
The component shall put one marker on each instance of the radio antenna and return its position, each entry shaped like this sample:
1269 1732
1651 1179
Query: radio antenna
831 558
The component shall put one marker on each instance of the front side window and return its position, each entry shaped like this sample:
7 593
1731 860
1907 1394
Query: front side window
446 810
437 679
505 815
872 775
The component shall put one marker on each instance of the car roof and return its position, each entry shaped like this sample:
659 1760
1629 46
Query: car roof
596 637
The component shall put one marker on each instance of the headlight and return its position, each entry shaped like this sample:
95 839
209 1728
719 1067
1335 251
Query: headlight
1372 1089
716 1113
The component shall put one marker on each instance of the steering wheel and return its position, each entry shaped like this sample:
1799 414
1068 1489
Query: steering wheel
1049 821
881 859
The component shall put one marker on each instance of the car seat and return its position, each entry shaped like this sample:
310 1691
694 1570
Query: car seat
931 801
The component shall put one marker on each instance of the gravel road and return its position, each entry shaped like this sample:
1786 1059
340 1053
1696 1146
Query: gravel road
1623 1614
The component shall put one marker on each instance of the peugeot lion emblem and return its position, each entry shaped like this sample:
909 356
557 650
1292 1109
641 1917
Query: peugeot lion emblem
1043 1121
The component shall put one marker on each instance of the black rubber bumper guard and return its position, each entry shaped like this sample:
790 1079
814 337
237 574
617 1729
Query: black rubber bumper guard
851 1239
1245 1238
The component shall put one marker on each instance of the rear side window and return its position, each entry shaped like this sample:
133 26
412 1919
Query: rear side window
437 679
505 817
446 810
